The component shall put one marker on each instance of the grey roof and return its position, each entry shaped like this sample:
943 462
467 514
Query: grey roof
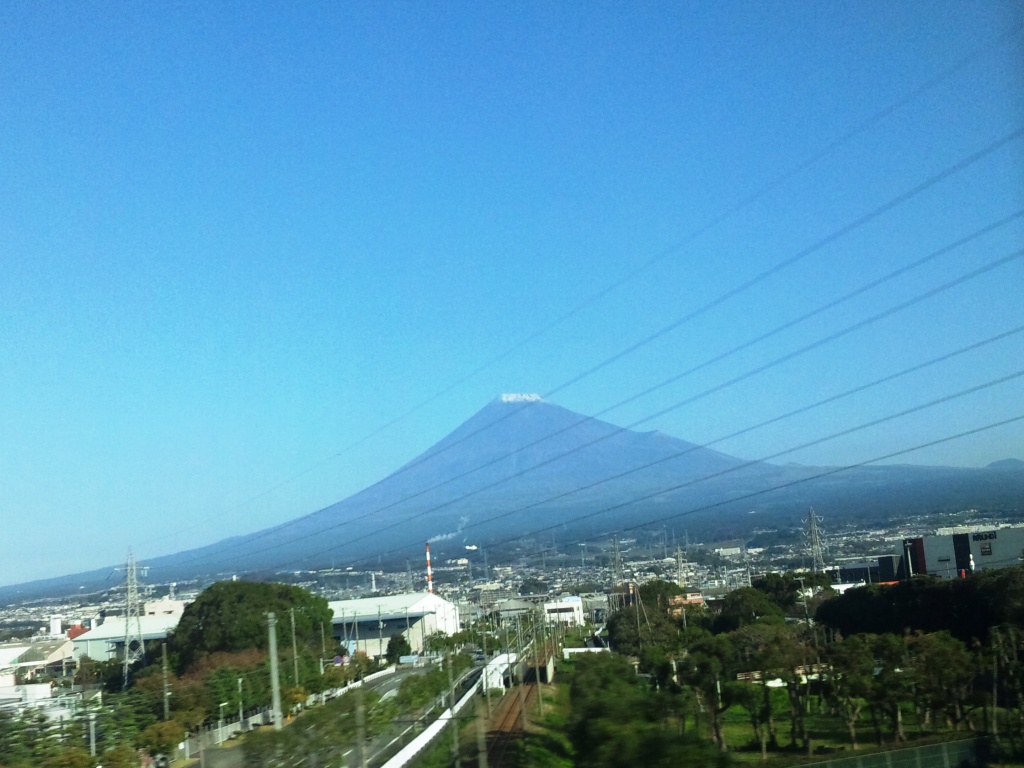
113 628
413 604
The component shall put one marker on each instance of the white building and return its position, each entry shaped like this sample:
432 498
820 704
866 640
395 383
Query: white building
497 673
9 663
32 658
966 551
106 641
566 610
369 623
165 606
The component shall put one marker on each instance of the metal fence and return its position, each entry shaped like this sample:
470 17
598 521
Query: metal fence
217 733
965 753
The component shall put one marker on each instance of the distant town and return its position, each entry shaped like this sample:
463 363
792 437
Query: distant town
412 618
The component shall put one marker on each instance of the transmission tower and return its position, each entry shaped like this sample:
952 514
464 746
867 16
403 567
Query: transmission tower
815 541
134 646
618 575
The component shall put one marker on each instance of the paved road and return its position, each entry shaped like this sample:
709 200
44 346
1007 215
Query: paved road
387 683
232 757
382 747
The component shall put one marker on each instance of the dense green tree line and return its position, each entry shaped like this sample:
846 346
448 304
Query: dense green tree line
231 616
966 608
323 735
897 662
221 640
617 723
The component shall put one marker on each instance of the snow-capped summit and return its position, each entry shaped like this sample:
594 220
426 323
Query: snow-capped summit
513 397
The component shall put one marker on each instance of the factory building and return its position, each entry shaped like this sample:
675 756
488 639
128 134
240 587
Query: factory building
566 610
106 641
369 623
961 552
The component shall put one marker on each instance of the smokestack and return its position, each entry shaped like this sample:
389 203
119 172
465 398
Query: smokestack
430 573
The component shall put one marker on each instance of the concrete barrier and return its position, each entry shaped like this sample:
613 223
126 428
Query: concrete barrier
407 753
214 734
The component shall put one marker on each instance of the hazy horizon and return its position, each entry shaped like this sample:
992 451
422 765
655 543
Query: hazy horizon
256 258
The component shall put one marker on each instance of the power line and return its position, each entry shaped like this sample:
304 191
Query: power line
862 220
687 401
744 202
718 358
803 253
773 420
781 486
753 462
714 475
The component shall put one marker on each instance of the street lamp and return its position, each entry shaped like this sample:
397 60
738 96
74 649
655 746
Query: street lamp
220 723
92 734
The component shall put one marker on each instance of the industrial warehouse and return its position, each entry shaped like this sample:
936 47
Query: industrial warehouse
367 624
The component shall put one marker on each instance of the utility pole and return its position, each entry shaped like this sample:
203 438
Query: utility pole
994 639
380 635
544 642
239 702
275 682
639 637
360 729
92 734
487 688
167 690
536 670
456 757
618 575
295 649
134 645
522 681
807 616
481 737
815 542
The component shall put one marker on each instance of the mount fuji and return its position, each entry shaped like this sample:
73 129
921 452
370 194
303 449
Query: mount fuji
523 466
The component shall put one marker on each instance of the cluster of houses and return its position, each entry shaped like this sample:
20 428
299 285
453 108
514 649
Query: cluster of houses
35 674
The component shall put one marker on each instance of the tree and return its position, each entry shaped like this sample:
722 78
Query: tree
708 665
634 629
617 721
943 672
657 594
783 589
533 586
890 683
745 606
398 646
966 608
231 616
162 738
72 757
768 650
850 670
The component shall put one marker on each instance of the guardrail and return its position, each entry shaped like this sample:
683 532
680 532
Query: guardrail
407 753
217 733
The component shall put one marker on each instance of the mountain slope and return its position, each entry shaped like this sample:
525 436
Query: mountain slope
522 464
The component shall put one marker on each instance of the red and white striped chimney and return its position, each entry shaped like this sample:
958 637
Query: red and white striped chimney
430 573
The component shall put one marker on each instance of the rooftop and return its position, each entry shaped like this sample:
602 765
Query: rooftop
388 606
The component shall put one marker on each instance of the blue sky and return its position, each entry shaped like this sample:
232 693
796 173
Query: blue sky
237 238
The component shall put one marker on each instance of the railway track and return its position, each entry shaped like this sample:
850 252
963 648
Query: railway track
506 726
